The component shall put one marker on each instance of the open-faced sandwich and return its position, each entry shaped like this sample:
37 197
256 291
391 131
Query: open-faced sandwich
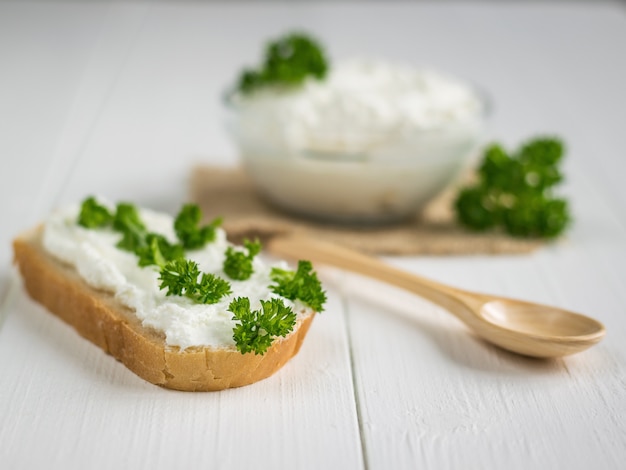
171 299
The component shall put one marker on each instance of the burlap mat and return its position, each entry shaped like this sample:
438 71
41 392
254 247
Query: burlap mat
228 192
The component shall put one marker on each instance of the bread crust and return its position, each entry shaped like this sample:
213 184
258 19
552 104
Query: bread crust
98 317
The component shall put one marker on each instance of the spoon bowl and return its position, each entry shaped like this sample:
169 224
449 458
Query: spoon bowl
522 327
539 330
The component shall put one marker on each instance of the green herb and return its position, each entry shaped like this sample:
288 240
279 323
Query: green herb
211 289
288 61
158 251
256 329
188 230
129 224
238 264
180 277
515 191
94 215
301 284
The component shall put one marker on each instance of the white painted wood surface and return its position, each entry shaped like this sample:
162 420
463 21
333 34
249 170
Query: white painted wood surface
122 98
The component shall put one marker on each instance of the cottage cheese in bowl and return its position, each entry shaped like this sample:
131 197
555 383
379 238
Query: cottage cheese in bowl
372 142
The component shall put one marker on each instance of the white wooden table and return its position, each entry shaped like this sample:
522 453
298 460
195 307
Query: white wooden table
121 99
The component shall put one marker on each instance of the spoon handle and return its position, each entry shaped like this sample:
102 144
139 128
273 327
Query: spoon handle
451 299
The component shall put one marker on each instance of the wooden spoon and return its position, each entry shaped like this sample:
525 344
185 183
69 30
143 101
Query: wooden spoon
522 327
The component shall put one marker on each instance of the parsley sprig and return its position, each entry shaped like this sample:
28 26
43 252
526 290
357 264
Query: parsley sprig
129 224
188 230
299 285
288 61
158 251
238 264
182 277
94 215
514 191
255 330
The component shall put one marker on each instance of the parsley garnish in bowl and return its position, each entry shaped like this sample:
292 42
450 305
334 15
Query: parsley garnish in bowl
287 61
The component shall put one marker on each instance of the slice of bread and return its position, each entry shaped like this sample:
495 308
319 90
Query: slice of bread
98 317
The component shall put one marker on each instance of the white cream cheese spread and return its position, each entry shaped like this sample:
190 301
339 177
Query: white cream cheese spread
359 103
94 255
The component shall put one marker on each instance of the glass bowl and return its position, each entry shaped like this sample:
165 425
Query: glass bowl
356 176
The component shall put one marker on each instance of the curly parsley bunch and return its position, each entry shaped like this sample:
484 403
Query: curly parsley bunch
514 191
288 61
